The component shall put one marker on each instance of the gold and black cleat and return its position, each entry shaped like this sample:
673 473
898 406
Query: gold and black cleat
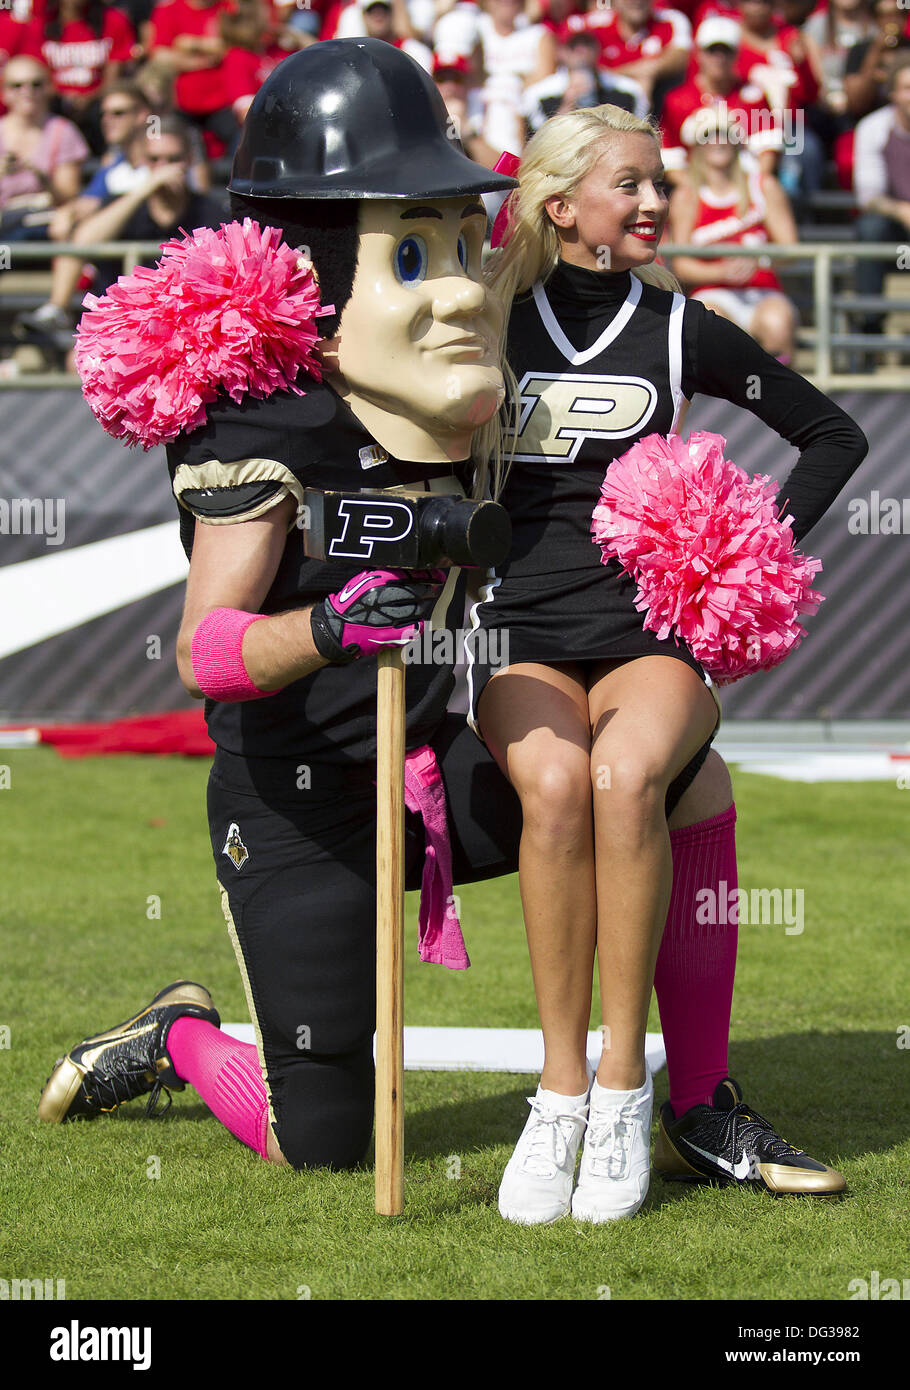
130 1060
729 1142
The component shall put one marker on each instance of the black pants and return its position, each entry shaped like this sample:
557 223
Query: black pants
295 847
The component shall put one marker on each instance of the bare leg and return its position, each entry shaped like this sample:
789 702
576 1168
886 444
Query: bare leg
710 794
535 722
773 325
649 717
272 1150
66 272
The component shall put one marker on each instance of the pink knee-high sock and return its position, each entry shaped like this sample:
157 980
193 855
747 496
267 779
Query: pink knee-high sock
697 961
227 1075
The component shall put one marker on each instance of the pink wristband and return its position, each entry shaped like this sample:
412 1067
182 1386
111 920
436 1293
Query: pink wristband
217 655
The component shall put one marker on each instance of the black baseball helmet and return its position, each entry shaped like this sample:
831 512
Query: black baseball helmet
353 118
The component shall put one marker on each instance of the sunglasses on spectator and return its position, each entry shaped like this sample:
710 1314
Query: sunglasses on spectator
37 84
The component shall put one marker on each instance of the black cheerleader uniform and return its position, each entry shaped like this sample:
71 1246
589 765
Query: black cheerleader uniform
603 360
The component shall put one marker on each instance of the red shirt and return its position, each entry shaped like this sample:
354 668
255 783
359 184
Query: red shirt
746 102
330 12
243 71
17 39
798 84
665 29
201 92
717 222
78 58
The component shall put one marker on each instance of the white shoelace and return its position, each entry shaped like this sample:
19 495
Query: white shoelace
608 1143
546 1144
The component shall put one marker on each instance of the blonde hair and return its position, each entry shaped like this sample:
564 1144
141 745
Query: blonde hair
555 161
712 121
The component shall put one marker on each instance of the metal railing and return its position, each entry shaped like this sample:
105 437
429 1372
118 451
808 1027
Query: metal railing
817 259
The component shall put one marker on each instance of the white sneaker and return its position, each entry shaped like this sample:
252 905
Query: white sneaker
615 1166
536 1186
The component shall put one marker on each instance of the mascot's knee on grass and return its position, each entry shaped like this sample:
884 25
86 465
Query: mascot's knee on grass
346 152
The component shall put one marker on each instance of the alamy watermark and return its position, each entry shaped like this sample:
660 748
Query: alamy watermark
771 125
875 1288
78 1343
758 907
26 1290
441 646
878 516
34 516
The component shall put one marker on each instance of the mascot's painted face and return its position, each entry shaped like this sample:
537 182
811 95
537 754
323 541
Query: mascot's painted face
418 356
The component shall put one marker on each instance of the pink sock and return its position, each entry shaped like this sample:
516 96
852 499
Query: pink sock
697 961
227 1075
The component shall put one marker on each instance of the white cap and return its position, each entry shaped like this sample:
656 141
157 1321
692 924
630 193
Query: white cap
718 28
457 32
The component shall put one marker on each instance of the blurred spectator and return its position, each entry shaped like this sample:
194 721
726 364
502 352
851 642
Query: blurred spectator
830 34
123 115
255 43
352 23
796 12
641 41
456 31
19 34
85 45
465 106
124 110
870 63
882 181
515 54
580 81
163 200
555 13
774 56
381 22
717 83
305 17
40 154
185 41
156 209
723 203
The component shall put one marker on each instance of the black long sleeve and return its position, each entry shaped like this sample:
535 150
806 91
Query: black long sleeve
719 359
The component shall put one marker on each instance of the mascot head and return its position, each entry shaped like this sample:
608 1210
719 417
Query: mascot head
349 151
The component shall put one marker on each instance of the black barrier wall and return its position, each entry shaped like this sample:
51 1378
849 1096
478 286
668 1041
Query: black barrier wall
91 590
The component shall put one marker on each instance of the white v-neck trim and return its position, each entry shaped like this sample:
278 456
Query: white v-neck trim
610 333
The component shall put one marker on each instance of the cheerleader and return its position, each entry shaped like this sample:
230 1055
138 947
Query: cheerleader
595 717
724 202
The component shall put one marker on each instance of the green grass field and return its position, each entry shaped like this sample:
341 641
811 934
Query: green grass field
817 1026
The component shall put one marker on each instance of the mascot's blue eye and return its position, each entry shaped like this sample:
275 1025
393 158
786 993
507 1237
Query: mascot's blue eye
463 251
411 260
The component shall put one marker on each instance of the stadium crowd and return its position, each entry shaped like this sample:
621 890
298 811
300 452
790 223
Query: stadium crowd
118 122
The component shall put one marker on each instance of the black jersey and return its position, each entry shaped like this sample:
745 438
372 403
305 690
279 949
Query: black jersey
601 361
583 404
234 468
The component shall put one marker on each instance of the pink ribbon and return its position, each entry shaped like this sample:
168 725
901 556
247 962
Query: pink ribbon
506 164
439 931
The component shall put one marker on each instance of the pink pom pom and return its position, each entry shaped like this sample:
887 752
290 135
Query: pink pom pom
713 563
232 310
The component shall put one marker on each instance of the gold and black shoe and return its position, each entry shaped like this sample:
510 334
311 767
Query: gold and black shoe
130 1060
729 1142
